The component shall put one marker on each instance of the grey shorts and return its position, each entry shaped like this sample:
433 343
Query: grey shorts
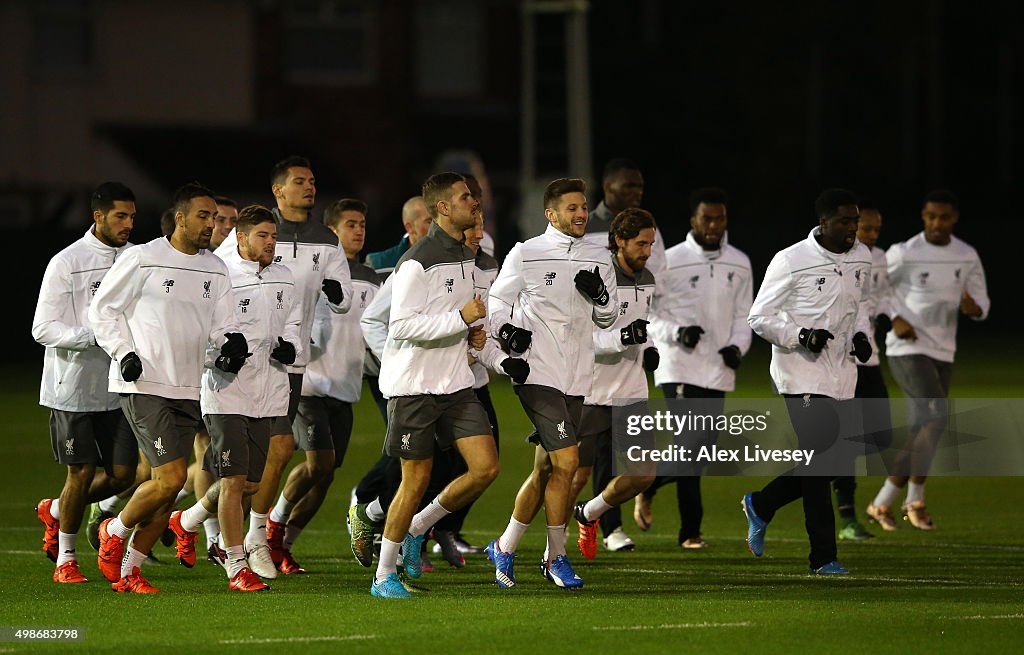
925 381
414 422
324 424
238 445
555 416
92 438
164 428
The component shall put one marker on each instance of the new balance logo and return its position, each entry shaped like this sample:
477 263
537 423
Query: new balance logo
449 284
94 287
243 304
820 282
562 434
549 278
158 445
316 261
206 289
623 306
69 446
406 441
167 285
277 260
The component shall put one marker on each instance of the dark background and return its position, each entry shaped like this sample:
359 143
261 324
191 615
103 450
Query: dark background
773 103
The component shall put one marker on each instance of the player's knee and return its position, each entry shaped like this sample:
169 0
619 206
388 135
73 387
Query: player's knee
642 482
250 488
486 473
171 482
80 475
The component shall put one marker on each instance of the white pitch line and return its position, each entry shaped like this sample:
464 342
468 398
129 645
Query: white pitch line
980 617
289 640
838 578
674 626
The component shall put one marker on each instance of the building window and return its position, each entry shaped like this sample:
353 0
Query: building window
62 35
331 41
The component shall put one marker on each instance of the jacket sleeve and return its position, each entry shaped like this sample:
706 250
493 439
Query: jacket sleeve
491 356
663 325
410 307
766 312
224 321
504 293
741 336
292 325
607 342
121 288
603 317
977 288
337 269
881 291
375 319
896 272
56 296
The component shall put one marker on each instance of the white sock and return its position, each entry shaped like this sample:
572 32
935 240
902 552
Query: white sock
887 494
132 559
509 540
291 533
235 560
194 516
915 492
427 517
211 527
109 504
181 494
375 512
257 535
66 547
595 507
55 508
556 542
388 562
282 509
116 527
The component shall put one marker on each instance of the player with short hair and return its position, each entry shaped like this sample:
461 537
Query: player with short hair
87 426
935 277
810 308
551 291
162 306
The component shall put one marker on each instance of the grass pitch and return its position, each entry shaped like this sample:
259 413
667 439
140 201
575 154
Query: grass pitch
958 589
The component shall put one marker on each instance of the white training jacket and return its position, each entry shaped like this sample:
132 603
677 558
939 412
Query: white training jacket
167 307
809 287
425 351
266 307
535 290
709 288
879 299
313 254
74 368
928 282
338 352
377 316
619 369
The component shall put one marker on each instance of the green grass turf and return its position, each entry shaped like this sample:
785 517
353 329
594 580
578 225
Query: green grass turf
957 589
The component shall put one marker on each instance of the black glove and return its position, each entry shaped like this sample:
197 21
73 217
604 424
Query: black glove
235 346
515 338
333 291
883 324
861 347
229 364
689 336
651 358
517 369
284 352
131 367
731 356
634 333
592 286
814 340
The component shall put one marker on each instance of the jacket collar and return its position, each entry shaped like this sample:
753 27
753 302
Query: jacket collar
233 259
559 237
827 254
691 243
445 239
97 245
